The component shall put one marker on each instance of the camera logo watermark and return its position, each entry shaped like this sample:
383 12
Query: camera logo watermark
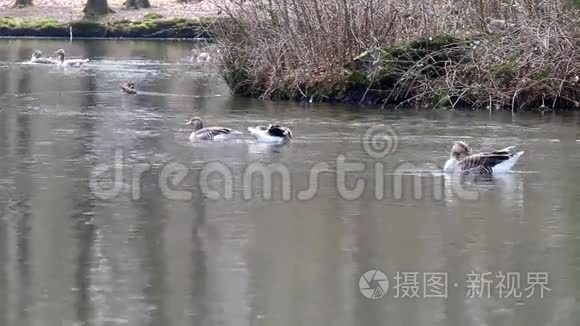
373 284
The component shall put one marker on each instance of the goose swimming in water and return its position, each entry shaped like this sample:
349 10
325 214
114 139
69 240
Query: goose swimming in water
496 162
38 58
128 88
272 133
70 62
208 133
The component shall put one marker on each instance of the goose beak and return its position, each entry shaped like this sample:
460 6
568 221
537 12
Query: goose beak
188 123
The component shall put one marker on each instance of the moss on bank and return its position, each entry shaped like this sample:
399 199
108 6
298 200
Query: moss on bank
369 78
152 26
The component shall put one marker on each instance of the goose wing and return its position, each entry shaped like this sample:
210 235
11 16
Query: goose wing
483 163
507 151
211 133
76 62
43 61
279 131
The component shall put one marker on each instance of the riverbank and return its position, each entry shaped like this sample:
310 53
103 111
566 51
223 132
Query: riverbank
56 18
436 58
72 10
152 26
443 71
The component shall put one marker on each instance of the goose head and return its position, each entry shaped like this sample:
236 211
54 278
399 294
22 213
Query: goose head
60 53
196 123
460 150
36 54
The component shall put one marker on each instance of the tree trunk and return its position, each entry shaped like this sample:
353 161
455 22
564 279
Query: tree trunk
22 3
96 8
136 4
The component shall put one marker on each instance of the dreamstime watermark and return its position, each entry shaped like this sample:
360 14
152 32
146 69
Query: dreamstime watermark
380 141
216 179
374 284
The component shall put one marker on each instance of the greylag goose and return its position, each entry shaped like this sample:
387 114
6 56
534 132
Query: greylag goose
70 62
38 58
273 133
496 162
128 88
208 133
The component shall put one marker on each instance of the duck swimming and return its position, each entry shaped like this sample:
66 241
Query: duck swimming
208 133
496 162
273 133
38 58
70 62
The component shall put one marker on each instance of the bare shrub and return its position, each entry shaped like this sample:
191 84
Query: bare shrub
529 66
502 50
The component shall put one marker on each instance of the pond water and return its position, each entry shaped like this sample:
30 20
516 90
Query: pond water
109 215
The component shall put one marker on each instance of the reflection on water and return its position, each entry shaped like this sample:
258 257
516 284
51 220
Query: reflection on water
70 257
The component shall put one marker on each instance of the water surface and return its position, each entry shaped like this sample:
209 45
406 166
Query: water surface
159 252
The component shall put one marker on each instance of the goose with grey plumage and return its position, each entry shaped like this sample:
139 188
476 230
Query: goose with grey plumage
69 62
461 160
209 133
37 57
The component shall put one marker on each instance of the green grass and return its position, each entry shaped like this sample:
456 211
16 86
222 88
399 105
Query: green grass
37 24
539 75
151 26
152 16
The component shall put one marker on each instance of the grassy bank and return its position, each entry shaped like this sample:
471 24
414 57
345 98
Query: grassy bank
431 54
152 26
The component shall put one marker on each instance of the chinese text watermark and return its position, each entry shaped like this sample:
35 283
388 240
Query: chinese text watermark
374 284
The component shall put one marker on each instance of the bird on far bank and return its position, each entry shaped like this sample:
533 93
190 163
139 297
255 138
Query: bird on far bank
203 57
497 162
128 88
497 26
